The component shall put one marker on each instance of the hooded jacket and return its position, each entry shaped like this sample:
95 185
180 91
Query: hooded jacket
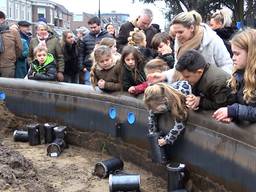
47 71
53 46
213 49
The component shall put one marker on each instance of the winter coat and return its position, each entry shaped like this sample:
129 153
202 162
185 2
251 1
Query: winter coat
128 77
21 64
47 71
53 46
168 58
213 50
111 77
70 53
212 88
225 34
27 37
124 33
147 53
12 46
86 47
240 110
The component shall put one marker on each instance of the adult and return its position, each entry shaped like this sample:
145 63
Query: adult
22 64
10 48
70 53
81 32
191 33
143 22
111 29
52 43
221 23
25 30
87 45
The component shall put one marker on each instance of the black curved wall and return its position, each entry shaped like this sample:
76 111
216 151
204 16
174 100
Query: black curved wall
225 153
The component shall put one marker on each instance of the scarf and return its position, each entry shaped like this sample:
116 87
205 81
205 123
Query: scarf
42 41
193 43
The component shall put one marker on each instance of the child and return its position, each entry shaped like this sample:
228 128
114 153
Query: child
111 42
138 39
208 81
105 73
153 66
161 98
43 67
242 81
161 42
132 69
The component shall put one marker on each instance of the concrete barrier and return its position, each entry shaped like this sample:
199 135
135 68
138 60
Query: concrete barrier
224 152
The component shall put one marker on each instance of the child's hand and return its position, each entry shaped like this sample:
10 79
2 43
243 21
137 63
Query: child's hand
161 142
101 84
221 114
192 102
60 76
226 120
131 90
84 69
156 77
168 50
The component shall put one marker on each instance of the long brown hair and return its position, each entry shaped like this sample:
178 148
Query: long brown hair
246 40
174 98
139 61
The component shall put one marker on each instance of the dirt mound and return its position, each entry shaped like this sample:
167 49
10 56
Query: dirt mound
9 122
17 173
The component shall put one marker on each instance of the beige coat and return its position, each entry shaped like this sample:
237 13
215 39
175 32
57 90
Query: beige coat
12 48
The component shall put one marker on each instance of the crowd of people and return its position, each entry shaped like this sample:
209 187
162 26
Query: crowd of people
204 66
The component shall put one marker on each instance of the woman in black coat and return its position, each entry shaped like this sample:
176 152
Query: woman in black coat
70 52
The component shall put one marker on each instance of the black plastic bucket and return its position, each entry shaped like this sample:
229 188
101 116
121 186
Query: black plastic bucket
176 174
20 135
33 134
56 147
49 133
124 183
158 154
60 132
104 168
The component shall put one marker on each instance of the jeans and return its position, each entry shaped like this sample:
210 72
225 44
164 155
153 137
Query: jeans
87 78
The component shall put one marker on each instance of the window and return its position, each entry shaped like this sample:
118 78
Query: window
17 11
41 12
28 11
22 12
11 9
51 16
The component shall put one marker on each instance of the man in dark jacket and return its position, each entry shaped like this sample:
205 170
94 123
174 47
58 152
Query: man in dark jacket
143 22
88 43
209 82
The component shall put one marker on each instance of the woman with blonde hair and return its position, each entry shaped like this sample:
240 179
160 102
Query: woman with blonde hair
243 79
138 39
191 33
221 23
111 42
161 98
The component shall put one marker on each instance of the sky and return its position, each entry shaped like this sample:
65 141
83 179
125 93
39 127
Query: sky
119 6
